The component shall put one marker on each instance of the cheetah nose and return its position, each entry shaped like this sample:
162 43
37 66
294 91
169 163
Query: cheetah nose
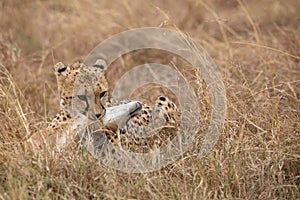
98 115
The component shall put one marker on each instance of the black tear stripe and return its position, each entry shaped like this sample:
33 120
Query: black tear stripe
84 98
98 115
102 94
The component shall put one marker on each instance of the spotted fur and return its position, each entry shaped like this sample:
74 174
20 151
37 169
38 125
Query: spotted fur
131 135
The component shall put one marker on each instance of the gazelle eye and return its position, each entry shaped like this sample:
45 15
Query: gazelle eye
100 63
62 69
102 94
99 66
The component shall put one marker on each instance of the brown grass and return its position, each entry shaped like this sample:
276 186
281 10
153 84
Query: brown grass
256 46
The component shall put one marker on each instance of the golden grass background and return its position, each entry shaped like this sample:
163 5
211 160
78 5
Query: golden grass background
256 45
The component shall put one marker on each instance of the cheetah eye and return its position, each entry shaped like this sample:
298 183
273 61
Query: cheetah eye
62 69
102 94
82 97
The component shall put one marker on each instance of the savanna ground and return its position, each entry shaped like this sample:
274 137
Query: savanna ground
256 46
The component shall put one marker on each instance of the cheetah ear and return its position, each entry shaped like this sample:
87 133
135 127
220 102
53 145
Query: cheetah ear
100 64
60 68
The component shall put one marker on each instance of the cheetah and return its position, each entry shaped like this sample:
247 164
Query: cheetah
128 125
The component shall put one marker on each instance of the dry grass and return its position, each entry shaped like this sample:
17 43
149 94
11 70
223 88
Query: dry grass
256 46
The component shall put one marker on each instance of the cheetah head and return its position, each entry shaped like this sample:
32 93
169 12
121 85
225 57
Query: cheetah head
67 77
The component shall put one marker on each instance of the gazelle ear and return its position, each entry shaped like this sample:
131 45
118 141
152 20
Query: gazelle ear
101 64
60 68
